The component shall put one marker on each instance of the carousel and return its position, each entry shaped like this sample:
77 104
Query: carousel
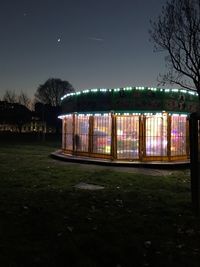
139 124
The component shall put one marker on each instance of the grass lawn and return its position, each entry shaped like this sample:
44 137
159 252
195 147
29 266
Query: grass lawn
137 220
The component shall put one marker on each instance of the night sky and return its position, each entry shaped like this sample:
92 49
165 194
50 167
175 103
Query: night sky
90 43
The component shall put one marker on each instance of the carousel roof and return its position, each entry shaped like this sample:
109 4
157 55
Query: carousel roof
131 99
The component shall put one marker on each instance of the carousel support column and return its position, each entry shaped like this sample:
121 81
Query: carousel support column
142 137
113 137
91 131
169 121
64 133
73 133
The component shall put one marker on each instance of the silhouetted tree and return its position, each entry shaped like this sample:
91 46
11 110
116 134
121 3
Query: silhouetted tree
177 32
52 90
21 115
23 99
49 114
10 96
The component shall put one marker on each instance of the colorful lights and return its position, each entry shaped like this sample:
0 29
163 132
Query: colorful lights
64 116
86 91
183 91
192 93
107 114
179 114
94 90
103 90
160 139
127 88
140 88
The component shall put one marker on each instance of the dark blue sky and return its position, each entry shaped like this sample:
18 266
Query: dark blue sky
90 43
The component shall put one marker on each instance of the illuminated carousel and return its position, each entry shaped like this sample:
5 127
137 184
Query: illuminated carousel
138 124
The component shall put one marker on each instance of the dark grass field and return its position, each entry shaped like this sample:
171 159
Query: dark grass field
137 220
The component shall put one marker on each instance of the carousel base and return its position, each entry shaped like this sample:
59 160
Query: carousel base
122 163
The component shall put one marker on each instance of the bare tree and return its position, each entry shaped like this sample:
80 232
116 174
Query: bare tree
52 90
10 96
177 32
23 99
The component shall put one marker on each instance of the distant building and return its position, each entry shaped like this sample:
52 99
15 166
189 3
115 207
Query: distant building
15 117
